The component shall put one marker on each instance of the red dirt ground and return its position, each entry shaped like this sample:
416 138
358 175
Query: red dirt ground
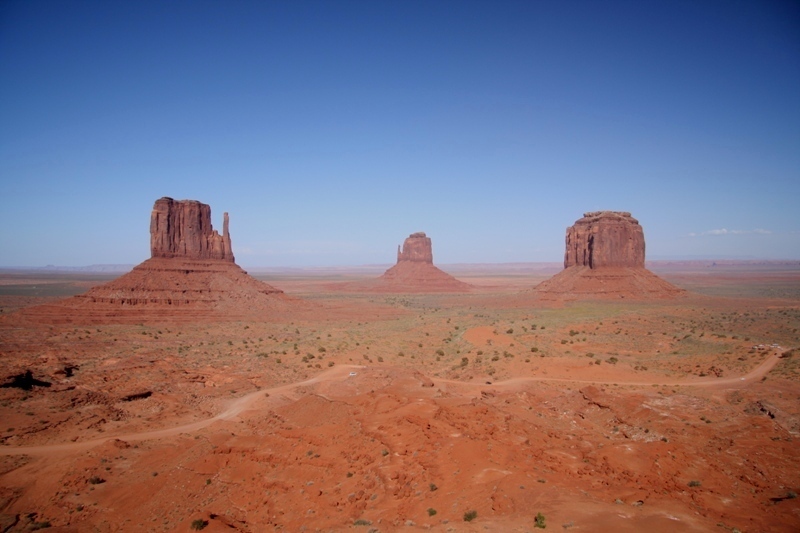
600 415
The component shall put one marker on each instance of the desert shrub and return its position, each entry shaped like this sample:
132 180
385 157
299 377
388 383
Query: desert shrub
464 361
694 483
539 521
440 352
321 349
199 524
480 352
362 522
613 360
534 349
431 511
433 487
469 516
95 480
510 331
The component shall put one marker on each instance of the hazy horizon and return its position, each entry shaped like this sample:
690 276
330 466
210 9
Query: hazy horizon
332 131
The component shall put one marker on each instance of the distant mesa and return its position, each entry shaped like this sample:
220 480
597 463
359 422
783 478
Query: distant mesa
604 258
191 274
413 273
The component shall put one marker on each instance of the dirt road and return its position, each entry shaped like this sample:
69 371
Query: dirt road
344 371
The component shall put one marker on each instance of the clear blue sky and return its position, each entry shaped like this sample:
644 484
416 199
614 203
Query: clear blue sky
331 130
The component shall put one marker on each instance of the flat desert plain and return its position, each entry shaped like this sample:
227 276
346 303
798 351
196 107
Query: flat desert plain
488 410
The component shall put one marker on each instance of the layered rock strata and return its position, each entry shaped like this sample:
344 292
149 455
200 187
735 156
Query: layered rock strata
604 258
182 228
191 275
605 239
415 271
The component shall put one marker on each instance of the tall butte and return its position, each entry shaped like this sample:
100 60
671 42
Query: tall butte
190 275
415 271
182 228
604 258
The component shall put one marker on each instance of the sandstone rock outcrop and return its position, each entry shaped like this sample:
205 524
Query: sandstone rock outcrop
604 258
190 276
416 249
605 239
414 272
182 228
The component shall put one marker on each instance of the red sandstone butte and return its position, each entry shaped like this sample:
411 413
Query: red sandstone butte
416 248
182 228
604 258
605 239
415 271
190 276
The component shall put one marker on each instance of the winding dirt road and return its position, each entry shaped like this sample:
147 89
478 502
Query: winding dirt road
343 371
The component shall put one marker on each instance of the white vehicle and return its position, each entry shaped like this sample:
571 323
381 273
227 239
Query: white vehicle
352 374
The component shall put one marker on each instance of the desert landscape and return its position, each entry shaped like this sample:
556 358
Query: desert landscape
604 394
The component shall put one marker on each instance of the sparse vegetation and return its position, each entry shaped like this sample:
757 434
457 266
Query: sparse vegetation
469 516
199 524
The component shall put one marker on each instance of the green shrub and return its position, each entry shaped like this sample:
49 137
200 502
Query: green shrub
694 483
431 511
539 521
469 516
199 524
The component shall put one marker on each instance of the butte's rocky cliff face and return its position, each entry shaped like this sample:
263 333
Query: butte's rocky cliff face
605 239
604 258
413 273
191 275
416 249
182 228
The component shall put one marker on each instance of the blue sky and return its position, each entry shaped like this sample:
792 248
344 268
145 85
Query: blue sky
331 130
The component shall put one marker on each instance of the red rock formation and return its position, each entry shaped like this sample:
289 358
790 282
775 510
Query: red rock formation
182 228
416 248
191 275
604 258
605 239
415 271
